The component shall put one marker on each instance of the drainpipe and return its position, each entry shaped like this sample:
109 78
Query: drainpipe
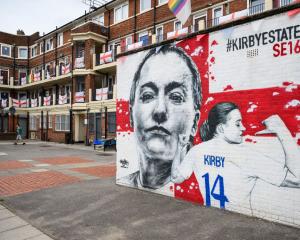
42 125
44 48
87 128
105 109
14 66
154 17
134 26
47 126
71 96
56 60
108 28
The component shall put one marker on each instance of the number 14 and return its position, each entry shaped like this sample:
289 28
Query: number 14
218 196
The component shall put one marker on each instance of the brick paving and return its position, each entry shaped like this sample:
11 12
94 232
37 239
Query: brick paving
6 165
22 183
99 171
60 160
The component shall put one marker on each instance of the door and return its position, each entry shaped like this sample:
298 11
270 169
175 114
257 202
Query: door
23 125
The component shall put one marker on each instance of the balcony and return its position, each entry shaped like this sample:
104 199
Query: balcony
79 63
105 62
4 80
79 97
90 30
103 94
285 2
256 9
20 103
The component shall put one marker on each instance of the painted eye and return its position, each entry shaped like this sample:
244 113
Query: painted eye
146 97
177 98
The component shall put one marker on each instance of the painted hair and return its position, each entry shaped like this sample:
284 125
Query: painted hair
218 114
197 96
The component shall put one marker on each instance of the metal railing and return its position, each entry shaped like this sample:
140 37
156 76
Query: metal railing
256 9
285 2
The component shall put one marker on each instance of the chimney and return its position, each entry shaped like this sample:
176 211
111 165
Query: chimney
20 32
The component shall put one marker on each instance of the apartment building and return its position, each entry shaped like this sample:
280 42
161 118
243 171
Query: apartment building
62 86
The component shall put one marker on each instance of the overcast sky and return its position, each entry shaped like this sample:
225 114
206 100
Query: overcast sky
38 15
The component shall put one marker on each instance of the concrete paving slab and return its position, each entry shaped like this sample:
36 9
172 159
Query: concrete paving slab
40 237
11 223
20 233
4 213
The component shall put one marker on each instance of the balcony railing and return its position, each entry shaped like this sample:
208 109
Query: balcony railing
102 94
80 97
106 57
4 103
285 2
256 9
20 103
79 63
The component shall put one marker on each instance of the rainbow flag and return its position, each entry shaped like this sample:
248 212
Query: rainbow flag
181 9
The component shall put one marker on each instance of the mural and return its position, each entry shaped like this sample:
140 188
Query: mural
215 119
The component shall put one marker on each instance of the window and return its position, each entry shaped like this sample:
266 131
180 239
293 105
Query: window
285 2
32 122
50 69
62 123
162 1
4 76
80 86
177 26
159 33
256 6
217 13
199 22
60 39
42 48
49 44
6 50
45 121
34 51
101 20
121 12
144 5
23 52
128 40
144 38
111 117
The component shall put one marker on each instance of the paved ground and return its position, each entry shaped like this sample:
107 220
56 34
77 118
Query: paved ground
70 194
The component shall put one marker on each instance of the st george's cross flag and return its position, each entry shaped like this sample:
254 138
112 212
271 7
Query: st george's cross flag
181 9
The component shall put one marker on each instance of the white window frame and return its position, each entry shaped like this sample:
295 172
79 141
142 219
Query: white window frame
22 48
42 47
32 123
161 2
50 42
213 11
281 5
143 10
157 27
5 45
58 124
142 34
213 14
44 121
60 39
127 42
175 25
123 17
200 15
36 50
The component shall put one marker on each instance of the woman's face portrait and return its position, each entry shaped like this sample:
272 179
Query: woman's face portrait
233 128
164 106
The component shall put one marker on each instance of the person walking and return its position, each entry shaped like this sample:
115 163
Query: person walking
19 131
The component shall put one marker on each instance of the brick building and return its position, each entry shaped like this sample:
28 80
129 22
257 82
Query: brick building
63 84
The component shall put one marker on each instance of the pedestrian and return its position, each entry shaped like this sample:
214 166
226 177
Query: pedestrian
19 131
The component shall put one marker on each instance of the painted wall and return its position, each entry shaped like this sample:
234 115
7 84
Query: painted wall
215 119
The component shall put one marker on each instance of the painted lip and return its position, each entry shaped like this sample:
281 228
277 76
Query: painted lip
158 131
